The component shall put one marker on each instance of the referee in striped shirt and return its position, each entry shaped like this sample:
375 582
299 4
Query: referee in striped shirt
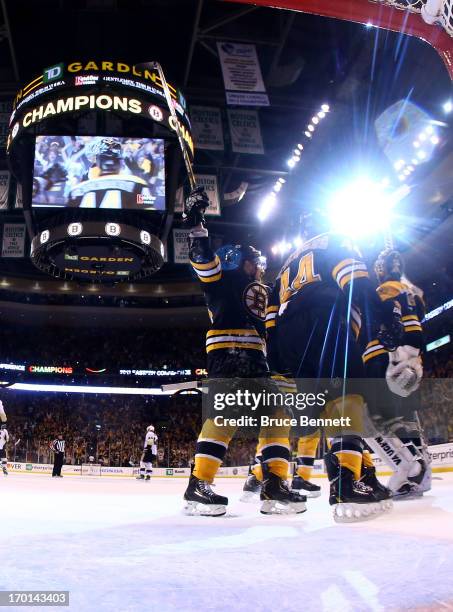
57 446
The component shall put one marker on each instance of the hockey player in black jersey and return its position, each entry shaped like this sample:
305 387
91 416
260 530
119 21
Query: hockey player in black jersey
107 185
398 439
236 301
316 308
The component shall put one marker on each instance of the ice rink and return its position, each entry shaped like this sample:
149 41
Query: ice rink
120 544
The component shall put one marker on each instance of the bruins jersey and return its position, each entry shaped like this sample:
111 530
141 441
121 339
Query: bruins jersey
117 191
409 300
326 268
236 305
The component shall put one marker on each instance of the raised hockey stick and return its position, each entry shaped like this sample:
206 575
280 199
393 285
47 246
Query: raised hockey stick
171 108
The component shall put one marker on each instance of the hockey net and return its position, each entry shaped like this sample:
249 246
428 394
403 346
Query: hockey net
91 469
432 11
430 20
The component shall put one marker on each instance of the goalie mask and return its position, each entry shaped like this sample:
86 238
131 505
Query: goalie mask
109 156
389 266
150 428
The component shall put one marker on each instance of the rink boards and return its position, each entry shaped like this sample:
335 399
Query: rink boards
441 455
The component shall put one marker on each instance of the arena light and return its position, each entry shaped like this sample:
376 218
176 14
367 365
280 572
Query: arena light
281 248
325 108
307 134
321 114
435 140
448 107
310 127
359 209
268 204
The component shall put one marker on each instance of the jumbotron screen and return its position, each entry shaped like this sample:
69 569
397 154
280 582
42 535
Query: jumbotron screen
99 172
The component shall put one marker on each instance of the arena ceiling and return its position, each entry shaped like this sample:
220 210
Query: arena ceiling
305 61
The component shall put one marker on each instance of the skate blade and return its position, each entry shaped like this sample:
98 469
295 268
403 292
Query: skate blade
309 494
271 506
356 513
248 497
196 509
386 505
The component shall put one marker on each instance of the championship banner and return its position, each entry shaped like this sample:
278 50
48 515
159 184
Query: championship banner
13 242
181 246
4 189
209 182
242 74
207 127
245 131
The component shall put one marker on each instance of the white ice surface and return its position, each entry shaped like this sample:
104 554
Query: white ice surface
121 544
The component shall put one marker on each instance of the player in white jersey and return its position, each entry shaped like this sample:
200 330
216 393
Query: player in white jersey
4 439
149 454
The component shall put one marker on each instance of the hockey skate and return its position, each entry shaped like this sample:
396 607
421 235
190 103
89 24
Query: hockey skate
201 500
252 489
352 500
382 494
147 477
277 498
305 487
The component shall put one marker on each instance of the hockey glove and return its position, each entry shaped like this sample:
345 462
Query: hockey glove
404 371
195 207
391 332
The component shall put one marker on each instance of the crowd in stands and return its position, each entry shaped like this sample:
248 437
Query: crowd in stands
110 428
128 347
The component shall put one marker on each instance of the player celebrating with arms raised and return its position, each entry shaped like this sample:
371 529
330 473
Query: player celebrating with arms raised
236 301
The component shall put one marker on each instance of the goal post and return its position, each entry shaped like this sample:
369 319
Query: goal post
90 469
405 16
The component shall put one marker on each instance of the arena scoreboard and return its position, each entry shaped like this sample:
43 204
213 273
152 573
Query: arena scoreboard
94 146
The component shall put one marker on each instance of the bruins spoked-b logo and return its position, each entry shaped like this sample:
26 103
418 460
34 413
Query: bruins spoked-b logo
255 300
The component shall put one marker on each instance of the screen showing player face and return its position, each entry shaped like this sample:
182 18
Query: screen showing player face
99 172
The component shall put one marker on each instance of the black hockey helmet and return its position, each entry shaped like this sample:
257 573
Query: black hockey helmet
389 266
3 426
109 155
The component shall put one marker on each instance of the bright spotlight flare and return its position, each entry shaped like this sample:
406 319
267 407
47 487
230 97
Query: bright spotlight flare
362 208
267 205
